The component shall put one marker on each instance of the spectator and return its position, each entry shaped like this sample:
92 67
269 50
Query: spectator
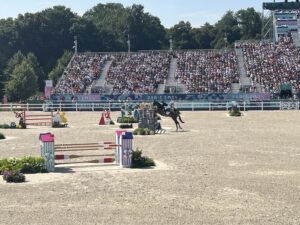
138 73
207 71
81 72
271 64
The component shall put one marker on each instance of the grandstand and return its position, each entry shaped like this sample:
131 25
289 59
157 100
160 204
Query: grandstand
82 70
262 66
138 73
271 64
142 73
207 71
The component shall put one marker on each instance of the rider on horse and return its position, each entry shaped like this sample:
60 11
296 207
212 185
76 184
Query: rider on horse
170 111
169 107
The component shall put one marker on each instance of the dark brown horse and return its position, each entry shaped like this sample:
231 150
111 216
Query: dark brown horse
174 113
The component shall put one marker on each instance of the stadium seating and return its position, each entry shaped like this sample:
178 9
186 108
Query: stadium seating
138 73
271 64
267 64
200 71
81 71
207 71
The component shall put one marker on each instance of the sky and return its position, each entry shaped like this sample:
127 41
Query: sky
170 12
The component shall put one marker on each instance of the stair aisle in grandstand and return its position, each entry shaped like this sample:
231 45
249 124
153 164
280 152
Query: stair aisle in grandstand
296 41
88 89
101 82
295 35
244 80
161 89
235 88
171 82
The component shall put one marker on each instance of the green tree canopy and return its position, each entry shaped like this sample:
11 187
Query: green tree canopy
60 66
182 36
111 22
227 31
250 23
204 36
8 43
7 73
145 31
46 34
23 83
1 85
88 37
33 61
12 63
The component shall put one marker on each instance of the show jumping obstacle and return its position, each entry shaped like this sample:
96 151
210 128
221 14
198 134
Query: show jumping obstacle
147 118
85 147
41 119
53 153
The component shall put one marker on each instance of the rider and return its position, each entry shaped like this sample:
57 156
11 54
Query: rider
170 107
235 106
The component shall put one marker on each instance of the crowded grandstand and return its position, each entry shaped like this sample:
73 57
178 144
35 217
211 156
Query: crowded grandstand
263 66
268 64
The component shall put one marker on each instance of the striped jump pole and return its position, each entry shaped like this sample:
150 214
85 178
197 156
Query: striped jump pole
122 154
83 147
64 157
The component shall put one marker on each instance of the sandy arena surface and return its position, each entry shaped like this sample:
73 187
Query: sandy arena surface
220 170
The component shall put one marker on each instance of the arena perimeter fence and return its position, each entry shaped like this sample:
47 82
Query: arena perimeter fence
184 106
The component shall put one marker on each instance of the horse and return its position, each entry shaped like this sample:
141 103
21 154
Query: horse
174 113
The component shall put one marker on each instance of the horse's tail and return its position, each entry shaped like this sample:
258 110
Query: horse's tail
180 119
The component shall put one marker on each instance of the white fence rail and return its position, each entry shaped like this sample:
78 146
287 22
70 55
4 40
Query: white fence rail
188 106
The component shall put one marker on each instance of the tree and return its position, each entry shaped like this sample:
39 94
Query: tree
46 34
88 37
12 63
145 31
60 66
154 33
1 85
204 36
227 31
8 45
23 83
110 21
182 36
250 23
15 60
33 62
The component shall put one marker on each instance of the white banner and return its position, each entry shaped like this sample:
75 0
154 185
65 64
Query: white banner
49 83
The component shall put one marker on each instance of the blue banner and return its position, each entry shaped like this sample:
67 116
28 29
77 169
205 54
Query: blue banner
164 97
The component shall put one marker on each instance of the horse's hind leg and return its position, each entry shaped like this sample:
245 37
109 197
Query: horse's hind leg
179 126
176 123
180 119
